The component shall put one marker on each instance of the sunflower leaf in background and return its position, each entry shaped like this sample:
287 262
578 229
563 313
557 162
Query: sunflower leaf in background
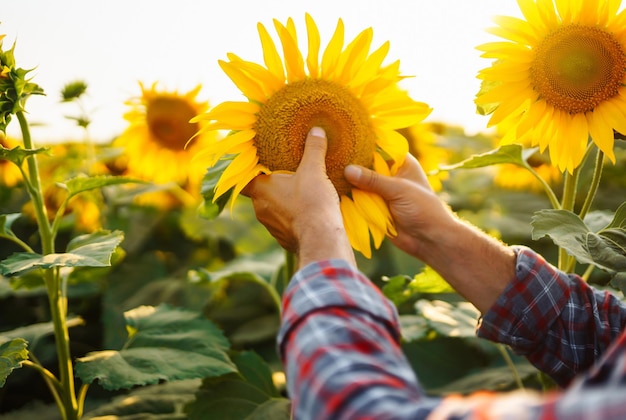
510 153
212 207
18 154
90 250
250 394
6 220
81 184
605 249
190 345
12 354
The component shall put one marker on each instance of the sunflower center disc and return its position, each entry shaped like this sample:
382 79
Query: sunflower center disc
168 120
578 67
288 115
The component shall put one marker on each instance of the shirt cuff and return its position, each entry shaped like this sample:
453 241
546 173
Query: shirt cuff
334 283
527 307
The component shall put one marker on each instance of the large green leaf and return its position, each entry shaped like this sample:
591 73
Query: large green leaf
605 249
12 354
80 184
509 153
248 395
164 344
91 250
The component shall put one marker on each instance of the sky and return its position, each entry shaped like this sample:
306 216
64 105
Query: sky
114 44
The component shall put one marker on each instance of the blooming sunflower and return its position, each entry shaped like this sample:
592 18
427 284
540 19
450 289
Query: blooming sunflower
154 142
559 78
349 93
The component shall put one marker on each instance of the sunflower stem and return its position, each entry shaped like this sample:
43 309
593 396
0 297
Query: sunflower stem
595 182
549 191
57 298
509 362
568 200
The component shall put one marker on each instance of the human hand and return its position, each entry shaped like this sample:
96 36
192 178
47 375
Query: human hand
418 213
301 209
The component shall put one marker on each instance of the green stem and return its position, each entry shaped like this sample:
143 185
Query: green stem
49 378
568 200
56 298
35 191
595 182
511 365
549 192
585 276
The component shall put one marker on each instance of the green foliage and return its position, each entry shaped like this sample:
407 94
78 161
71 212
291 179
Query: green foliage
164 344
81 184
249 394
89 250
18 154
509 153
211 207
605 248
12 354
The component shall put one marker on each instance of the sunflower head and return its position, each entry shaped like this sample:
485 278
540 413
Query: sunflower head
15 88
345 89
558 79
159 143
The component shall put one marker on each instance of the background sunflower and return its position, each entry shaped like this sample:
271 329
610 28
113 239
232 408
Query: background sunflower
157 146
558 77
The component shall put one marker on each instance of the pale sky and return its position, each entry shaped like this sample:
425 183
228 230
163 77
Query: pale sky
113 44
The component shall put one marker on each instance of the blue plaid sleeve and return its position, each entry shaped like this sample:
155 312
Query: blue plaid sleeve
560 323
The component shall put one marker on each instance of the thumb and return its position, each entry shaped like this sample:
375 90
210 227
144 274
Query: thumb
314 156
368 180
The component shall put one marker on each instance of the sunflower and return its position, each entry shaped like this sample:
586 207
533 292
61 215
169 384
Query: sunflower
559 78
348 92
159 129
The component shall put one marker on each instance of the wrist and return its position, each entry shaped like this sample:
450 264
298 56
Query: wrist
323 240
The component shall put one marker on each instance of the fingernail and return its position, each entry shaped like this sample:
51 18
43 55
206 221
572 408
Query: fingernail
353 172
317 132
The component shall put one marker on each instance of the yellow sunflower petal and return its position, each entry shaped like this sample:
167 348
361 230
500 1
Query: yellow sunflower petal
394 144
369 69
239 114
354 56
601 133
249 87
271 57
313 34
265 78
237 171
294 63
356 227
332 51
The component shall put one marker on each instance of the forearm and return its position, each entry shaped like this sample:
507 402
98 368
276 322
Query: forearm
323 239
475 264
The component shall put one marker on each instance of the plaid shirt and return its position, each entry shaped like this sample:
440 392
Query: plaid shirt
339 341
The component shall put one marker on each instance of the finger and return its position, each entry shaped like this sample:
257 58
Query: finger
314 156
412 170
372 181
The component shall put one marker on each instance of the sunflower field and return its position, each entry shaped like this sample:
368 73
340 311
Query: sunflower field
136 282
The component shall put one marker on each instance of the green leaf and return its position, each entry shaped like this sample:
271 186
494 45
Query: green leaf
6 220
18 154
605 249
90 250
248 395
164 344
12 354
211 208
619 220
81 184
486 86
33 333
508 153
451 320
